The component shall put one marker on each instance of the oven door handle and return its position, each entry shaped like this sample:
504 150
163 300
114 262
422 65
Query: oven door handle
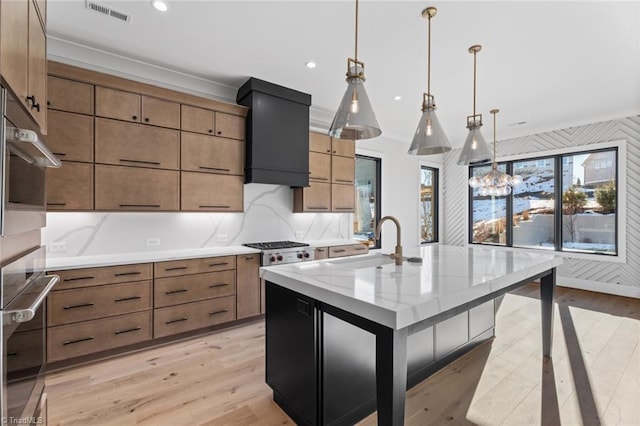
27 314
23 136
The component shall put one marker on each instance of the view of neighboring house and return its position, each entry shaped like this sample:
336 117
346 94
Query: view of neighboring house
599 168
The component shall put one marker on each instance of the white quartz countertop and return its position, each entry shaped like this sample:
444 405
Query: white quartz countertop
373 287
77 262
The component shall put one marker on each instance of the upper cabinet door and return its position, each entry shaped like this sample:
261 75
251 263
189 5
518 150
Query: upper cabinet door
209 154
37 69
159 112
343 147
117 104
198 120
14 50
230 126
71 136
319 143
68 95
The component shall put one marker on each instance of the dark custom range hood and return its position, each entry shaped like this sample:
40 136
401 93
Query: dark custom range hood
277 148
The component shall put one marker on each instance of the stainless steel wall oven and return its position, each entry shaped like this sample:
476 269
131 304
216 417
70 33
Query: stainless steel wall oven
24 288
24 161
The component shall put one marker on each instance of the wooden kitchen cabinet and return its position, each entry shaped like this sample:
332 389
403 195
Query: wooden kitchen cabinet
70 187
343 198
192 316
343 147
118 104
130 144
23 56
198 120
160 112
176 268
343 170
137 189
320 253
68 95
70 136
319 167
74 340
319 142
201 120
248 285
211 192
82 304
88 277
313 198
210 154
192 288
347 250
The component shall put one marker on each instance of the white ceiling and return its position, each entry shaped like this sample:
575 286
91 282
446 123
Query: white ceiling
551 64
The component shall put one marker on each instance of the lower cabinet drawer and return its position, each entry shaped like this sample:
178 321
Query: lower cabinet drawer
192 316
67 306
348 250
69 341
193 288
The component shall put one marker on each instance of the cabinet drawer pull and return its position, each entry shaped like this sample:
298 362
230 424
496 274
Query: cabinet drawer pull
127 331
321 250
124 274
176 268
344 180
59 154
359 248
56 204
84 339
218 285
124 299
146 119
78 278
12 353
344 208
218 264
176 320
134 117
182 290
82 305
214 168
339 250
317 178
318 208
155 163
214 207
140 205
222 311
249 258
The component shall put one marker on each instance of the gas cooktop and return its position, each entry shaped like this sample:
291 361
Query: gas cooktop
275 245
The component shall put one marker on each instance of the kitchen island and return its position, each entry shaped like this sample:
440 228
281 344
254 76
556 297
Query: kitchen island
344 335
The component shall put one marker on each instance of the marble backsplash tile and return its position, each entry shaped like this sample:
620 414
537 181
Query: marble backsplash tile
267 216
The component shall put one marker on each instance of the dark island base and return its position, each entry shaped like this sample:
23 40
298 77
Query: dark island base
321 361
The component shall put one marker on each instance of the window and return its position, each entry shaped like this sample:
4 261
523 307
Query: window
428 205
367 205
566 203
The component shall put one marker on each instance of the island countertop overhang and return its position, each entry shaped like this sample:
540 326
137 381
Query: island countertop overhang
373 287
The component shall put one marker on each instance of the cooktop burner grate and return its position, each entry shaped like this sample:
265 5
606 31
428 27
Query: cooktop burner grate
275 245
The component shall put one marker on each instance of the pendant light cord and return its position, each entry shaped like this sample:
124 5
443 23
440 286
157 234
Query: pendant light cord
494 136
429 58
474 82
356 53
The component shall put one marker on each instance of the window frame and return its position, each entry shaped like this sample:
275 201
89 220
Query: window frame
378 193
436 201
621 160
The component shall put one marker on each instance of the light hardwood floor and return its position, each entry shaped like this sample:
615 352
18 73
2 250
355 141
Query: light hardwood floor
218 379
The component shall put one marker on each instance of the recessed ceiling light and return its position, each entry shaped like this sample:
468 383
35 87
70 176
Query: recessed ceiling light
160 5
397 98
310 64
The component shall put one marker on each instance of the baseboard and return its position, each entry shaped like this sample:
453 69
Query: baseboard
600 287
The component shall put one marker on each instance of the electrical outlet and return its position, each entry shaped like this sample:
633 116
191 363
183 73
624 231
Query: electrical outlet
58 247
153 242
222 238
299 234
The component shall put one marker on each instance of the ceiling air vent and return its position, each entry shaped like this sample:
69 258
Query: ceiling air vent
107 11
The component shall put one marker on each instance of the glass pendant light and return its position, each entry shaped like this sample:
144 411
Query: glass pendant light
495 183
429 137
475 150
355 118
